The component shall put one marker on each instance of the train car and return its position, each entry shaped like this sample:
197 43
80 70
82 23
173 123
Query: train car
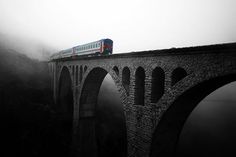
97 48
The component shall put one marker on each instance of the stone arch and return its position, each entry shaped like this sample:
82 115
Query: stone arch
115 68
81 73
126 79
166 134
178 74
65 107
59 70
76 75
73 70
88 129
158 84
139 86
85 68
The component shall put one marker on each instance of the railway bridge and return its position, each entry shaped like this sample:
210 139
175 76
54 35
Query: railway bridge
158 90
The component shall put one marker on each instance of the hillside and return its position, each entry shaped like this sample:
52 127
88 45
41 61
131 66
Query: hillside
29 126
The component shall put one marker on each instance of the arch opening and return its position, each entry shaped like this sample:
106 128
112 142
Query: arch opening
73 70
139 86
115 68
126 79
177 75
76 76
80 74
211 125
158 82
85 68
101 129
166 135
65 108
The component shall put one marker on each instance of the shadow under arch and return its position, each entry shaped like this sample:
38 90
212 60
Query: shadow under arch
166 135
65 109
89 131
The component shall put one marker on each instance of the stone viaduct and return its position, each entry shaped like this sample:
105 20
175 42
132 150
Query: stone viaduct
158 90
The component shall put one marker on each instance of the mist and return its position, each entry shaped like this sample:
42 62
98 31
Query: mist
132 25
210 129
33 48
111 125
32 30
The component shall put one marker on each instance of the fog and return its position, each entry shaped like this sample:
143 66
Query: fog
111 120
38 28
210 129
33 48
133 25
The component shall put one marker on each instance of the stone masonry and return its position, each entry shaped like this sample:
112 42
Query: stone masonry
153 86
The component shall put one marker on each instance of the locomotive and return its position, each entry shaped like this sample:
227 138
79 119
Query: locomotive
96 48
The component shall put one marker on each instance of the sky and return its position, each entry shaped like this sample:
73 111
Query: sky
133 25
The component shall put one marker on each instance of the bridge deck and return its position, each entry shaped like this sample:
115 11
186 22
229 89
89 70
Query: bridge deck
218 48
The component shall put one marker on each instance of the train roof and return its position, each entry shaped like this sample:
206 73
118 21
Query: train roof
94 42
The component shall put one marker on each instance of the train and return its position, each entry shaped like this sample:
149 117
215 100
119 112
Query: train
96 48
